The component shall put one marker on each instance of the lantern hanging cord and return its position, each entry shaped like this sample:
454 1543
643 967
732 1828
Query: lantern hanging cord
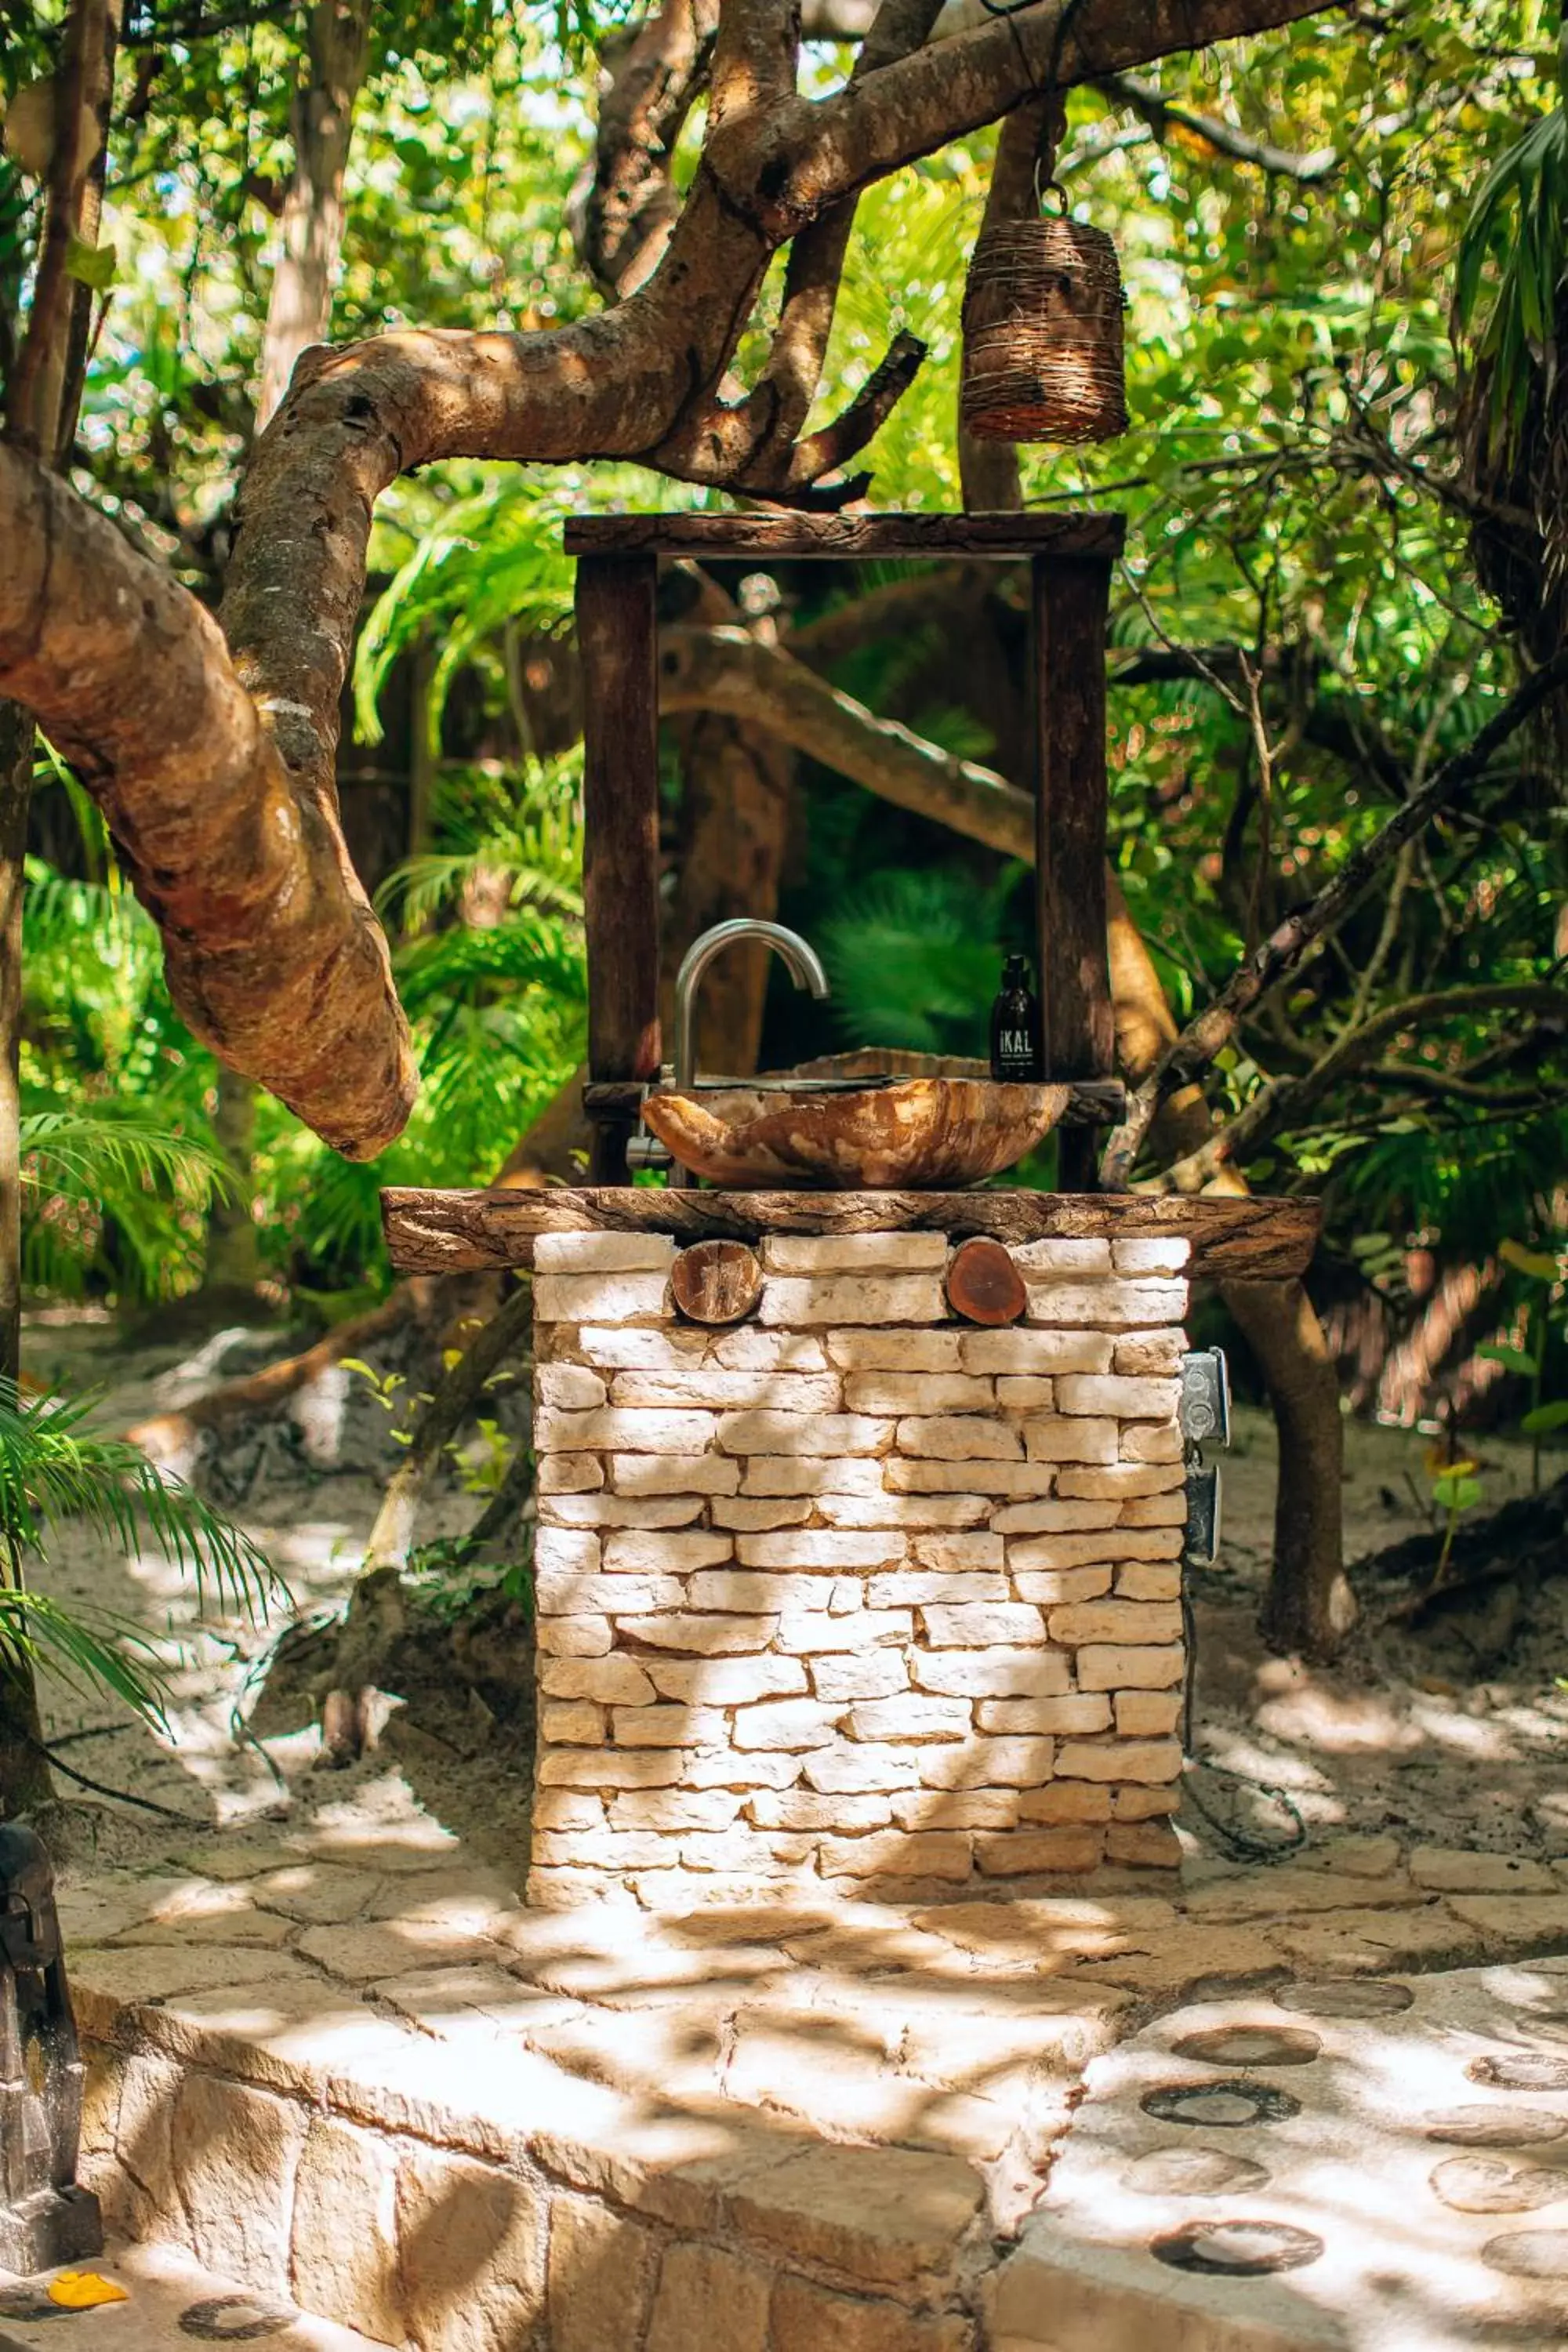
1010 8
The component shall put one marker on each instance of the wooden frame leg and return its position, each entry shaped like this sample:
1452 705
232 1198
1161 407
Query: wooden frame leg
617 638
1070 600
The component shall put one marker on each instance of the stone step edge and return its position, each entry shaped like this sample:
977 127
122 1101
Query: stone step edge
701 2175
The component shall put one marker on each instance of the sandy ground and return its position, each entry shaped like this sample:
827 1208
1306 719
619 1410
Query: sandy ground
1458 1733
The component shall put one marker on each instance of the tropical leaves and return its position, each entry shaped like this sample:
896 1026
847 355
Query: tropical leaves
111 1185
1509 276
54 1468
914 959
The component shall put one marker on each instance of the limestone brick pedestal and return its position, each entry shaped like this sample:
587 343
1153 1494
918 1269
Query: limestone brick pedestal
854 1594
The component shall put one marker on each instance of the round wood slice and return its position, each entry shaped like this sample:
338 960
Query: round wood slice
983 1284
717 1282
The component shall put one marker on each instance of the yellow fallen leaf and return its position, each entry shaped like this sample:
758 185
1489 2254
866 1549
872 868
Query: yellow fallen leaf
84 2291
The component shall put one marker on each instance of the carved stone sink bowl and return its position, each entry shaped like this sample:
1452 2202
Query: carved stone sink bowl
914 1134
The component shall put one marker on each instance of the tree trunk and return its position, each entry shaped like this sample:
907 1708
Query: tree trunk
299 310
298 314
1308 1606
233 1264
25 1781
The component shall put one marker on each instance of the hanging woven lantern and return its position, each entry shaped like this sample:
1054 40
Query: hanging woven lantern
1043 341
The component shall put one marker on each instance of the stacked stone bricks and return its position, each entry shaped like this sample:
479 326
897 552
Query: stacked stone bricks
855 1594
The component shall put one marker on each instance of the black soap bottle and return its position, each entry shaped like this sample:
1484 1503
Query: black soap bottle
1015 1028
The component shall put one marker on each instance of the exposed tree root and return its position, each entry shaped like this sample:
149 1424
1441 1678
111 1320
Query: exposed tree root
170 1437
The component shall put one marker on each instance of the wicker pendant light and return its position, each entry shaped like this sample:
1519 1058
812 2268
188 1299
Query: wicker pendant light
1043 341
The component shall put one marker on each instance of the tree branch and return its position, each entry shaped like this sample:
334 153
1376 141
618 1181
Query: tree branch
815 151
1283 1101
753 444
1213 1029
630 205
274 957
727 669
1160 113
34 403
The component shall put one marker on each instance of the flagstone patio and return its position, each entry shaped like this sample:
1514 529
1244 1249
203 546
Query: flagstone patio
348 2067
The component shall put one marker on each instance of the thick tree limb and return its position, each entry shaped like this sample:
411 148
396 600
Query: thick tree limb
630 203
618 385
1279 954
817 150
754 444
227 813
274 957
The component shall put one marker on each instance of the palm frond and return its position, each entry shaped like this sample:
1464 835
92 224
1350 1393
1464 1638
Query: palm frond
53 1467
85 1649
914 961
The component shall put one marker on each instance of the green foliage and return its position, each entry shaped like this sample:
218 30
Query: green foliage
914 961
1543 1271
55 1468
1512 261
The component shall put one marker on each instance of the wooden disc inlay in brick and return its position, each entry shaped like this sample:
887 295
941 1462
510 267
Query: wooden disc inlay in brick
717 1282
983 1284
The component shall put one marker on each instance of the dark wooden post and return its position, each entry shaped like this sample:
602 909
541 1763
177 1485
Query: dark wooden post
618 642
1070 597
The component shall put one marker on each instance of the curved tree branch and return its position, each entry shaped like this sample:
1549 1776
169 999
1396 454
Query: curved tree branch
729 669
274 957
1160 113
1212 1030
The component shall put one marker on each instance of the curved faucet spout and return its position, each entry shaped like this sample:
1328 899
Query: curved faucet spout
805 967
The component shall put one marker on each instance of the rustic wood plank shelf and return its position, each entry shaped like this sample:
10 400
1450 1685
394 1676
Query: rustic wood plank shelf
1247 1240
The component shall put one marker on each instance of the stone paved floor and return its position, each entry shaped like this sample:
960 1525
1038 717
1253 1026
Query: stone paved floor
168 2302
852 2103
1370 2164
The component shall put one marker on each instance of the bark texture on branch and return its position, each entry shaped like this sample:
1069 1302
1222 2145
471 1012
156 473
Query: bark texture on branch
274 957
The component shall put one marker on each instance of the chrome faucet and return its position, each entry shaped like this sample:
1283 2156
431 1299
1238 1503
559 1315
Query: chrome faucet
805 968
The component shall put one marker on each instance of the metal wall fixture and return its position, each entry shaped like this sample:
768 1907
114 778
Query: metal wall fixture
1203 1414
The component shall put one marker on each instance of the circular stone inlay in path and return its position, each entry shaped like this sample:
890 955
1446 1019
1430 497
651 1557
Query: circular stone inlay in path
1490 2184
1528 2254
1520 2070
1231 2106
1192 2172
1237 2249
237 2319
1493 2126
1251 2045
1346 1997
